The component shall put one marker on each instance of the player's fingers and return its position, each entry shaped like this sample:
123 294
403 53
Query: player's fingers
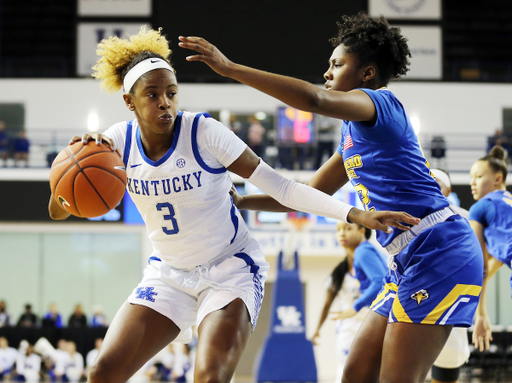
75 139
407 218
487 343
398 225
85 138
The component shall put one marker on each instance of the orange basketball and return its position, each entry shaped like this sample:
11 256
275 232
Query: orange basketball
88 180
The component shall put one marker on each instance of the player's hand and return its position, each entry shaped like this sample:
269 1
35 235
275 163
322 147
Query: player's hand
237 197
97 138
482 335
382 220
209 54
348 313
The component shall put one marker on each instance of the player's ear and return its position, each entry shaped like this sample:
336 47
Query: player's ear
369 73
128 100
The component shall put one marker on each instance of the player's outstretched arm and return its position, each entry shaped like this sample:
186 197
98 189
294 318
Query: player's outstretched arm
305 198
354 105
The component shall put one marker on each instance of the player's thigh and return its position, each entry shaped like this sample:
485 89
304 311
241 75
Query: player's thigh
364 356
135 335
409 351
222 336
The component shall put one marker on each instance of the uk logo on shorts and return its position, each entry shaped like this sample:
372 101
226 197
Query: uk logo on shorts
420 296
146 293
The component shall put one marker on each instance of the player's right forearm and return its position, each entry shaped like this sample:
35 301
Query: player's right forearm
261 202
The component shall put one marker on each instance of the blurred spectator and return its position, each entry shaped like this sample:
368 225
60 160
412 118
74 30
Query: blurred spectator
4 143
28 363
52 318
91 355
78 318
74 369
255 136
182 363
5 317
98 318
235 125
28 318
7 359
502 139
327 127
21 148
61 360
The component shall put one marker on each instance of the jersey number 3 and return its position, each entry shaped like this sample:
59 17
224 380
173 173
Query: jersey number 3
169 217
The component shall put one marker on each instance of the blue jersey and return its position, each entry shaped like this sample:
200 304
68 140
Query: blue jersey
386 165
370 267
494 212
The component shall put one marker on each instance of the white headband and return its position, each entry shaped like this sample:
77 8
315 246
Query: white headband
141 68
442 176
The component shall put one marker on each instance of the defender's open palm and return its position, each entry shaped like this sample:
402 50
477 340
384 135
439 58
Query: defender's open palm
209 54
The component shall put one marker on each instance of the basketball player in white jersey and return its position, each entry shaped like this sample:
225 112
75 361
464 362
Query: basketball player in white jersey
205 268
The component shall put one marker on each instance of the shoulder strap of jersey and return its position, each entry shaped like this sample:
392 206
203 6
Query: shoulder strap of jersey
128 142
195 148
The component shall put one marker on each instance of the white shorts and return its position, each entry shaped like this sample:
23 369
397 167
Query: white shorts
345 335
186 297
456 350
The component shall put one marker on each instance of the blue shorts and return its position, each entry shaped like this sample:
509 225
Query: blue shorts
438 277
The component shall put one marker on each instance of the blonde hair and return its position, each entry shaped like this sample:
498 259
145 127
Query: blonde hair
118 53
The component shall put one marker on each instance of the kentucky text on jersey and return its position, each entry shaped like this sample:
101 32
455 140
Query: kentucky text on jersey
165 186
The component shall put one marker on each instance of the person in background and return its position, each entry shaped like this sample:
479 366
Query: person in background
255 136
445 183
455 352
28 364
491 219
5 317
4 143
327 128
61 359
8 357
98 318
91 355
53 318
28 318
21 148
75 368
78 319
355 282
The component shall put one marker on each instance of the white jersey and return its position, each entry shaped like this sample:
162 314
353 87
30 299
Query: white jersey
184 196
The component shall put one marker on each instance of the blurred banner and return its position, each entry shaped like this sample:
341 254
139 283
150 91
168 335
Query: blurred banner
137 8
426 49
406 9
88 37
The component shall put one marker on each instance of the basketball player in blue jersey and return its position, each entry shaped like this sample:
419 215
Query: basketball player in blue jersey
491 219
436 268
355 282
205 268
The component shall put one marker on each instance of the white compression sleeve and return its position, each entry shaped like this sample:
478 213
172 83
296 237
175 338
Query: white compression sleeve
297 196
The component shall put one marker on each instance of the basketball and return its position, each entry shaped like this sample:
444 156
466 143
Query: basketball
88 180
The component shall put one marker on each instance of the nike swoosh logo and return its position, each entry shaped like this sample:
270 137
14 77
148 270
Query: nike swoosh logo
154 61
134 166
63 202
